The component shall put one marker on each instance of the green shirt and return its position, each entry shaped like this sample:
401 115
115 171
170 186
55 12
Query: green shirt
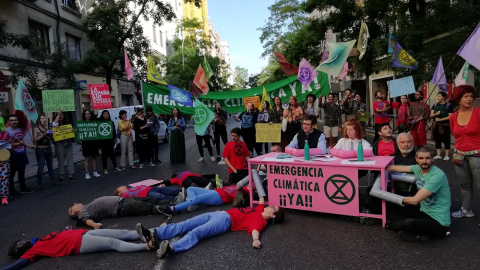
438 204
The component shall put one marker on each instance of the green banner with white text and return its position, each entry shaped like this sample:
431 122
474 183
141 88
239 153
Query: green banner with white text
232 100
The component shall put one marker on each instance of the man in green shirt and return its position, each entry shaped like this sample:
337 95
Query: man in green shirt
433 196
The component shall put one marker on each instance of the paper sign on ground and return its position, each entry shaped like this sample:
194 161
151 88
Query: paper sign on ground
100 96
402 86
63 132
58 99
268 133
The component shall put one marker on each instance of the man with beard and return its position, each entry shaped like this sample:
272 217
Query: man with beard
380 107
432 219
405 154
419 111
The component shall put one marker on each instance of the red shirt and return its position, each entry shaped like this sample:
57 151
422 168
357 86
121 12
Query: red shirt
386 149
247 219
227 193
139 191
236 153
182 176
402 114
381 117
56 244
466 137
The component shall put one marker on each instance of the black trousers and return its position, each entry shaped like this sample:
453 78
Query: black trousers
153 142
201 181
139 206
220 132
206 139
233 178
108 152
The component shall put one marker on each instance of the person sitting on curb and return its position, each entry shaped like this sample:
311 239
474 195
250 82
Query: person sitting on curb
433 196
186 179
159 193
385 146
314 137
252 220
113 206
73 242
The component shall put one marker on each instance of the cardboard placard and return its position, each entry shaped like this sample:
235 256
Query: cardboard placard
63 132
100 96
94 130
268 133
58 99
255 100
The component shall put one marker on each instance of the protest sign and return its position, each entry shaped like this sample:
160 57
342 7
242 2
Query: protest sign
100 96
3 97
401 87
63 132
268 133
254 100
94 130
58 99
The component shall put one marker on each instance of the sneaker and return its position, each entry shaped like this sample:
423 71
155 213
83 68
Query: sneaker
437 157
95 174
133 167
104 172
184 193
218 158
87 176
164 249
462 213
151 164
192 208
201 160
117 169
238 199
141 166
26 191
213 159
144 234
4 201
209 186
180 199
446 158
221 161
165 210
218 181
412 237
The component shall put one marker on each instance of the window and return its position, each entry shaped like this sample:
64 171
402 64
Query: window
160 37
40 35
73 47
154 34
71 4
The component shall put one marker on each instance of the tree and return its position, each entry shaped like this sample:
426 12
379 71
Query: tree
241 78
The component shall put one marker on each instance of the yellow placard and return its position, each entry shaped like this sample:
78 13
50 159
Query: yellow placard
268 133
63 132
255 100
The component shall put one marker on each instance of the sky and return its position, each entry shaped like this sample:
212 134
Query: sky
236 21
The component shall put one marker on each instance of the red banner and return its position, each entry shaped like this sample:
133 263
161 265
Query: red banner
100 96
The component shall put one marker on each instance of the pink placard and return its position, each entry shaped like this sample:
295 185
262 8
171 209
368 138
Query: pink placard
148 182
100 96
327 189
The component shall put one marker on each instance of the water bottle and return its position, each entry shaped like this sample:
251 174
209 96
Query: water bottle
306 149
360 151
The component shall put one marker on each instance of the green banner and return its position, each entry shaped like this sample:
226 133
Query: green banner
232 100
58 99
94 130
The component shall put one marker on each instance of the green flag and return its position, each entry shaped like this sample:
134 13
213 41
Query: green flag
202 117
206 68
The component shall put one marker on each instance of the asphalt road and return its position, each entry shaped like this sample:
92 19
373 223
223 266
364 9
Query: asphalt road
306 240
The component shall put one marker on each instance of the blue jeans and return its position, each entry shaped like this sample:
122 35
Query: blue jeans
198 195
164 193
44 155
197 228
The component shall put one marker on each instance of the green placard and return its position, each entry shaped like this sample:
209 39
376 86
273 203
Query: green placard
94 130
58 99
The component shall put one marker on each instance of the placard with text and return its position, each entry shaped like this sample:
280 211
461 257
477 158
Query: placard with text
100 96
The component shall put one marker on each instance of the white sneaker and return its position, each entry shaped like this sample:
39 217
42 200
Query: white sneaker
209 186
151 164
213 159
462 213
105 171
221 162
87 176
192 208
141 166
437 157
95 174
446 158
201 160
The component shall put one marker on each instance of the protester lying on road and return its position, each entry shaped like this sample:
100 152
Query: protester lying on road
186 179
159 193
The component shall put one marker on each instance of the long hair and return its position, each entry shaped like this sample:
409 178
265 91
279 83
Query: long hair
359 133
179 114
38 119
295 101
92 115
109 117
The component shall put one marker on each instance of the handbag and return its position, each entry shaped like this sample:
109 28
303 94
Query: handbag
284 124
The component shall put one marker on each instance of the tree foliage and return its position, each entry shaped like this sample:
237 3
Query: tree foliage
241 78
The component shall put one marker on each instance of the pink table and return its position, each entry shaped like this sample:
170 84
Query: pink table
328 187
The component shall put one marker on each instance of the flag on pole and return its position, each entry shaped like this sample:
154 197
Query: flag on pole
462 75
24 101
392 43
287 68
324 56
439 76
402 58
338 54
344 71
152 72
200 80
470 50
306 73
180 96
202 117
193 89
265 97
206 67
128 66
363 40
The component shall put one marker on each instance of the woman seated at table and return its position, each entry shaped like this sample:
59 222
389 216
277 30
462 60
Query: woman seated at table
347 147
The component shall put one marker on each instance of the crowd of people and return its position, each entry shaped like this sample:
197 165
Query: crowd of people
425 210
